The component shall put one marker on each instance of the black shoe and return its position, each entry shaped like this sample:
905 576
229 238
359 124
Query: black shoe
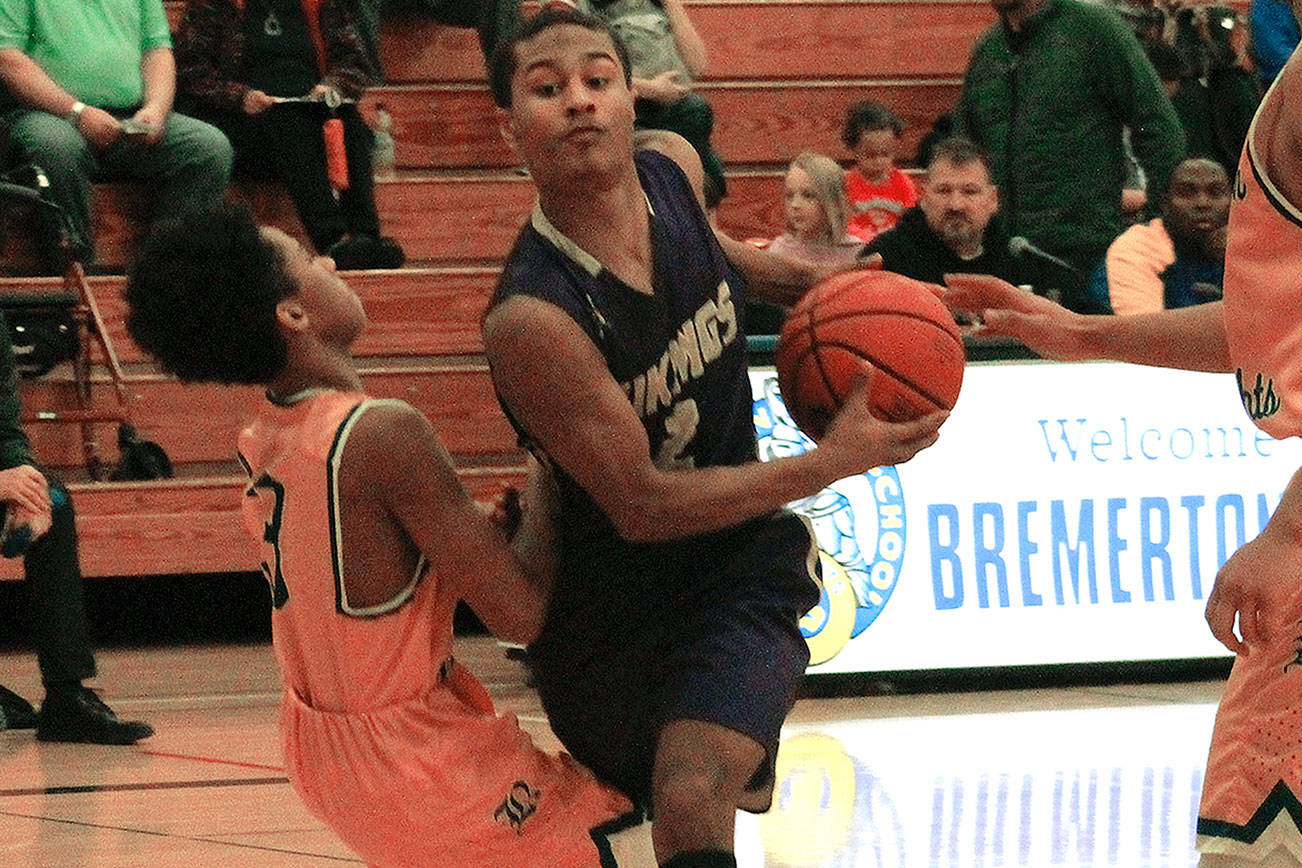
351 254
386 253
80 715
15 712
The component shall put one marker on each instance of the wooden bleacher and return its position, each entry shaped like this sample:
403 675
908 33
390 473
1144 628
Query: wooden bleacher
781 76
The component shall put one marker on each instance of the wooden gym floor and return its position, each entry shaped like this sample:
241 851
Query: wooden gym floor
1082 776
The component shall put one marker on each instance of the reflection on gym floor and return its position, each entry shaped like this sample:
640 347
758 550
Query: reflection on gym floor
1080 777
1080 787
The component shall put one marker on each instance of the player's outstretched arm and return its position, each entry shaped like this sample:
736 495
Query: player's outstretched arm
1192 338
408 473
558 386
770 277
1258 584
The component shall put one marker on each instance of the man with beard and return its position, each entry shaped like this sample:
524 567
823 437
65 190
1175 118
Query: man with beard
1177 259
953 230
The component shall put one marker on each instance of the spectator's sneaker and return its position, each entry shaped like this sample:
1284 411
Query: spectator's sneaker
386 253
15 712
351 254
79 715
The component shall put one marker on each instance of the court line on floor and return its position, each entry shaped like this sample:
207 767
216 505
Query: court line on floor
158 785
197 838
210 759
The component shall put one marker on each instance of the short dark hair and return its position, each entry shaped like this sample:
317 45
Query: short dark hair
960 151
202 297
501 65
867 116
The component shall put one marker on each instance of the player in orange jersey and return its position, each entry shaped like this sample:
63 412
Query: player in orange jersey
368 541
1250 804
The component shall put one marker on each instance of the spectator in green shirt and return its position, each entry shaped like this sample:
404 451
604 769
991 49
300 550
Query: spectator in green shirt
90 89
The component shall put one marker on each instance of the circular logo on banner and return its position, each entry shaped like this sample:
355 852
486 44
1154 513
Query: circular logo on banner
859 523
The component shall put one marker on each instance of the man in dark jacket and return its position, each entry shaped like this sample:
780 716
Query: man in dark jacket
1047 94
56 608
954 228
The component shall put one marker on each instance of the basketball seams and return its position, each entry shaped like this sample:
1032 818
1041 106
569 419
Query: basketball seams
886 312
858 353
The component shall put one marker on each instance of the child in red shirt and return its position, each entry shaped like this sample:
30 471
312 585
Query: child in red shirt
877 191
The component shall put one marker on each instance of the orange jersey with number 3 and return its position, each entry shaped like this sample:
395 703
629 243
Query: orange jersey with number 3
386 739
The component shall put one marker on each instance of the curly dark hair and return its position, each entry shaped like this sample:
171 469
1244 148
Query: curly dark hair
867 116
501 65
202 297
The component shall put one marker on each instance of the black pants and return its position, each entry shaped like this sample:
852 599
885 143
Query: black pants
285 143
693 119
56 609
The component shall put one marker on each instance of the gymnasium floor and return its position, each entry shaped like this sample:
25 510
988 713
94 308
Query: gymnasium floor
1082 776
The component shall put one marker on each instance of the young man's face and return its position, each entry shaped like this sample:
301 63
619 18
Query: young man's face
334 309
958 201
571 113
1198 200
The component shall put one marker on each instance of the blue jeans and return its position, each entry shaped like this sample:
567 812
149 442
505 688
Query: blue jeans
189 167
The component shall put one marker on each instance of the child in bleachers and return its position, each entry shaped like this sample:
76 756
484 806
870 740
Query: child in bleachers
814 195
879 193
238 59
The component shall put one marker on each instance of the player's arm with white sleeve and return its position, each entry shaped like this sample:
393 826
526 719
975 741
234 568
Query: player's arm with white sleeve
400 468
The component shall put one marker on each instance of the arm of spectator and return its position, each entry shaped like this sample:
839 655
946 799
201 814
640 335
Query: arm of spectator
158 70
348 67
1274 35
1132 86
202 39
30 85
691 48
1135 262
665 88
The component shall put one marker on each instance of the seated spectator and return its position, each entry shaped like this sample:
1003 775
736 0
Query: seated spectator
953 229
878 191
814 197
55 601
1213 95
90 89
236 59
1275 34
665 55
1178 259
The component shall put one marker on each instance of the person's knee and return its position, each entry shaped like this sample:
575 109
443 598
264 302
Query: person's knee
701 764
204 152
50 142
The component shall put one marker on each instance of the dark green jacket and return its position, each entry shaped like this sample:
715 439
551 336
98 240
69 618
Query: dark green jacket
14 448
1049 104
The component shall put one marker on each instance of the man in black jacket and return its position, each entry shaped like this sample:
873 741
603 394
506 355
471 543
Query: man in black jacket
953 228
56 607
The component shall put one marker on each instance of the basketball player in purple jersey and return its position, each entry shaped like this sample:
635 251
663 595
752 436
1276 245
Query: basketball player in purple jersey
670 652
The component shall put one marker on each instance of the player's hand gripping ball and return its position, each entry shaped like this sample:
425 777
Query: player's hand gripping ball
894 323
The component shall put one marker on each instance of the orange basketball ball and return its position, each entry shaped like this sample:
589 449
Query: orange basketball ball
893 323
